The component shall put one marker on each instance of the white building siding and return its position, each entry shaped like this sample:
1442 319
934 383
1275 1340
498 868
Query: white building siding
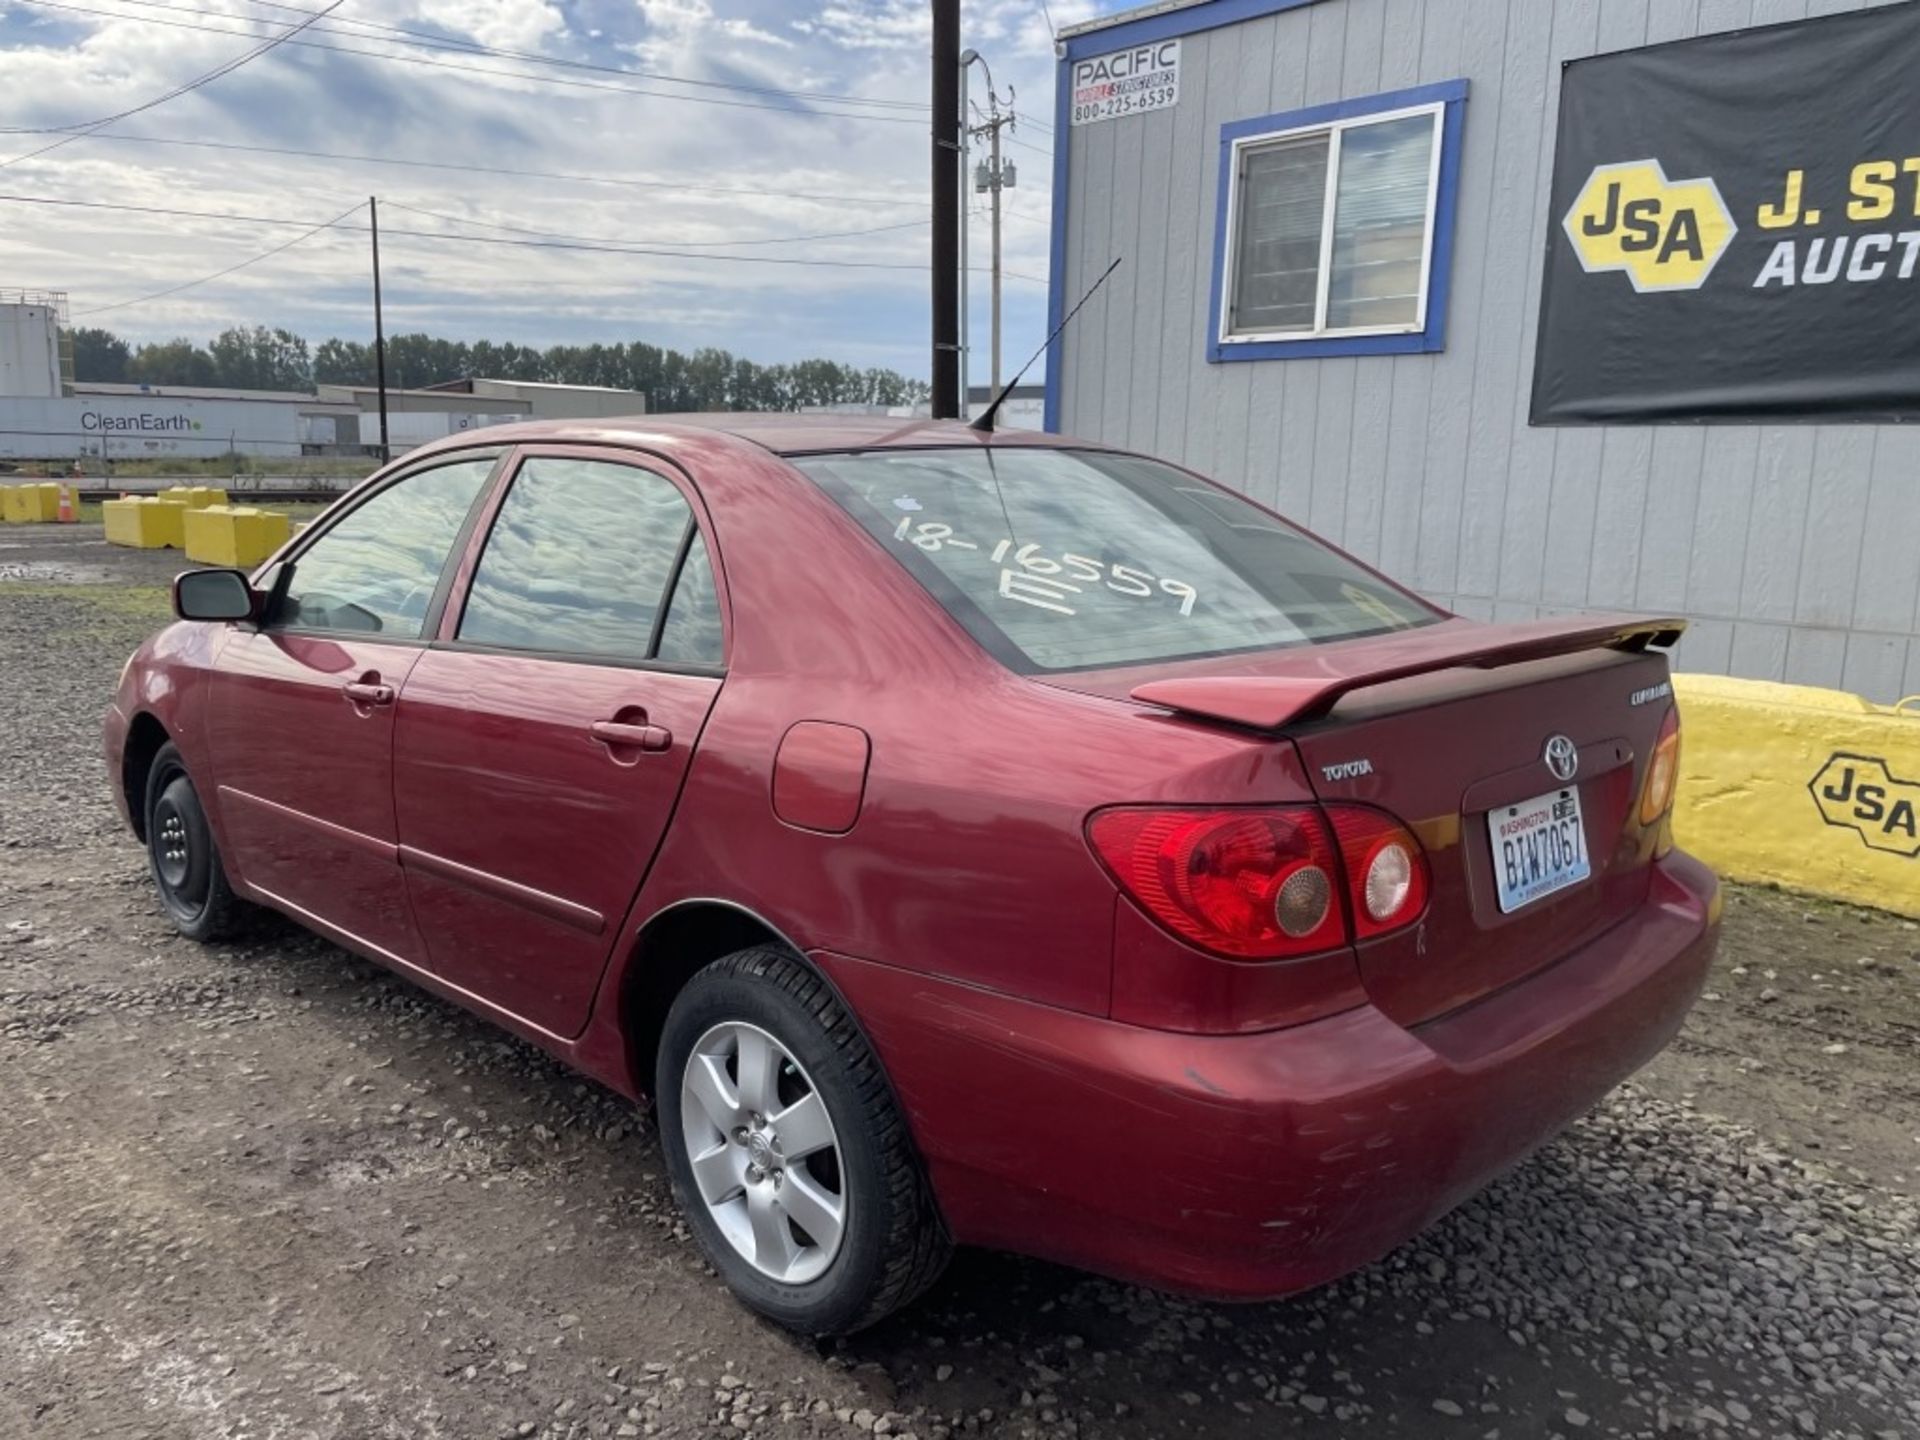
1793 548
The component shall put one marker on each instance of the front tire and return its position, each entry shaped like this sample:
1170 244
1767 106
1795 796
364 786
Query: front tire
183 859
786 1151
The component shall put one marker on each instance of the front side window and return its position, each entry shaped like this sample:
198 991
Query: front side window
1067 560
578 560
1332 228
374 571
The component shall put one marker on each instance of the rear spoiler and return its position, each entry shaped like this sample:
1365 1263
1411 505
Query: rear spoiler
1268 702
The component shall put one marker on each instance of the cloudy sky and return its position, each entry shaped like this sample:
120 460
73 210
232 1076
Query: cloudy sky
652 162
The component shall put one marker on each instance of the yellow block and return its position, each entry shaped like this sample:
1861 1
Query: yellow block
195 497
31 504
147 522
1812 789
236 535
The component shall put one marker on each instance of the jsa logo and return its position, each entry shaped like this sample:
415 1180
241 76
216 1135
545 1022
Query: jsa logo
1858 792
1666 234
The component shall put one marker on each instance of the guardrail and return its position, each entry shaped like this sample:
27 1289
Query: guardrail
1811 789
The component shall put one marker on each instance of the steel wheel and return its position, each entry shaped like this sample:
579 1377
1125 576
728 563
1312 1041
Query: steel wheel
179 846
763 1152
172 846
182 855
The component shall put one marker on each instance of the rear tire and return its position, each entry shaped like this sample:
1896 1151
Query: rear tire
183 859
802 1187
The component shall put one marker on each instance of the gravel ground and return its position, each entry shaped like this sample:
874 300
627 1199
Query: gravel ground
269 1191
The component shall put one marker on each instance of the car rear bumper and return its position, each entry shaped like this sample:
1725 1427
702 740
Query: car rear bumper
1253 1166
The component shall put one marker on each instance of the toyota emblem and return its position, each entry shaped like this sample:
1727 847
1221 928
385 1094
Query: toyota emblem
1563 758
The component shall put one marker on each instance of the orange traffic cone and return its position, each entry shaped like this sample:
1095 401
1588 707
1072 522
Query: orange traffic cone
65 515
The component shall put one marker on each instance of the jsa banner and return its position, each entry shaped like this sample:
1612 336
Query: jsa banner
1736 229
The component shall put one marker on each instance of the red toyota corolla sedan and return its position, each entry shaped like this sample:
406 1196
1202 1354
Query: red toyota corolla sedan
1001 840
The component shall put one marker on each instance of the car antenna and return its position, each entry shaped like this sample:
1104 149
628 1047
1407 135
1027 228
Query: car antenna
985 423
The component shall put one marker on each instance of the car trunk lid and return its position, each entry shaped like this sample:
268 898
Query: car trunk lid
1445 727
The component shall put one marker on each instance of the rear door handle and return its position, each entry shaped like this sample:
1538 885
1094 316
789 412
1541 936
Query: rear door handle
651 738
369 692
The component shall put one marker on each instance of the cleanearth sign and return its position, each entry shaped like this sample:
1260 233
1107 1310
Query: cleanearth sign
1736 229
38 428
144 423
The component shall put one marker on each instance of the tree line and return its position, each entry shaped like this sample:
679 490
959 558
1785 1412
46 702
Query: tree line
260 358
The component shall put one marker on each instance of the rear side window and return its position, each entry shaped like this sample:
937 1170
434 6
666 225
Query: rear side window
375 570
1064 560
578 560
691 633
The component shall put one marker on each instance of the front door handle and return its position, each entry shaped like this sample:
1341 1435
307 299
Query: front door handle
650 738
369 692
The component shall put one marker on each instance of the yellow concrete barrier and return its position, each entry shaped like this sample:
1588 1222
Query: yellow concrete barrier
1811 789
147 522
195 497
30 504
236 535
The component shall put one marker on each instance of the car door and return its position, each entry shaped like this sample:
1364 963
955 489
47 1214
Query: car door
301 718
541 742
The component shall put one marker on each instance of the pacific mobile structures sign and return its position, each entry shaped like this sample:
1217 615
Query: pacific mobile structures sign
1126 82
1737 229
144 423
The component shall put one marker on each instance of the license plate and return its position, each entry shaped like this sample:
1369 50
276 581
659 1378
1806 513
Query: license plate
1539 847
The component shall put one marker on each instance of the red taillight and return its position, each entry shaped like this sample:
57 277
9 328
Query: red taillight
1266 884
1255 884
1663 771
1387 879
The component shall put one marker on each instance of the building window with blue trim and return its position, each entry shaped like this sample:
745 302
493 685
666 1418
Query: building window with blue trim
1335 228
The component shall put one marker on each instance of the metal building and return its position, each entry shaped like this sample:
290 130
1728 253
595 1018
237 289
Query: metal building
1390 412
36 356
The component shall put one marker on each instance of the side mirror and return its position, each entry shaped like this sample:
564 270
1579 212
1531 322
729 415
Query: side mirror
212 595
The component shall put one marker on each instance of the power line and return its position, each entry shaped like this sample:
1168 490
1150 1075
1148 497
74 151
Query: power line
221 274
1026 118
372 29
583 244
518 174
554 234
194 84
811 114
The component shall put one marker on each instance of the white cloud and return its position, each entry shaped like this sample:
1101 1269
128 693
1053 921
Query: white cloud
687 21
506 24
592 125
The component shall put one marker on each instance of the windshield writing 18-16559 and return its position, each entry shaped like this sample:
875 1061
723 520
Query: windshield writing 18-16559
1057 559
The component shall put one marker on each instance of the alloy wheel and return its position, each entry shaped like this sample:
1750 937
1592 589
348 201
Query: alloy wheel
764 1153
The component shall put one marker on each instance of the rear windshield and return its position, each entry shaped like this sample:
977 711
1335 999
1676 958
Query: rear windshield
1072 560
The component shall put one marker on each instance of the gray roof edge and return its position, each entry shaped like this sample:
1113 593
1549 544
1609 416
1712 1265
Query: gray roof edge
1124 17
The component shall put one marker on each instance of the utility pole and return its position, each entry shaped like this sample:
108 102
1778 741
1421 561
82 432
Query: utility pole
994 175
948 124
968 60
379 331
